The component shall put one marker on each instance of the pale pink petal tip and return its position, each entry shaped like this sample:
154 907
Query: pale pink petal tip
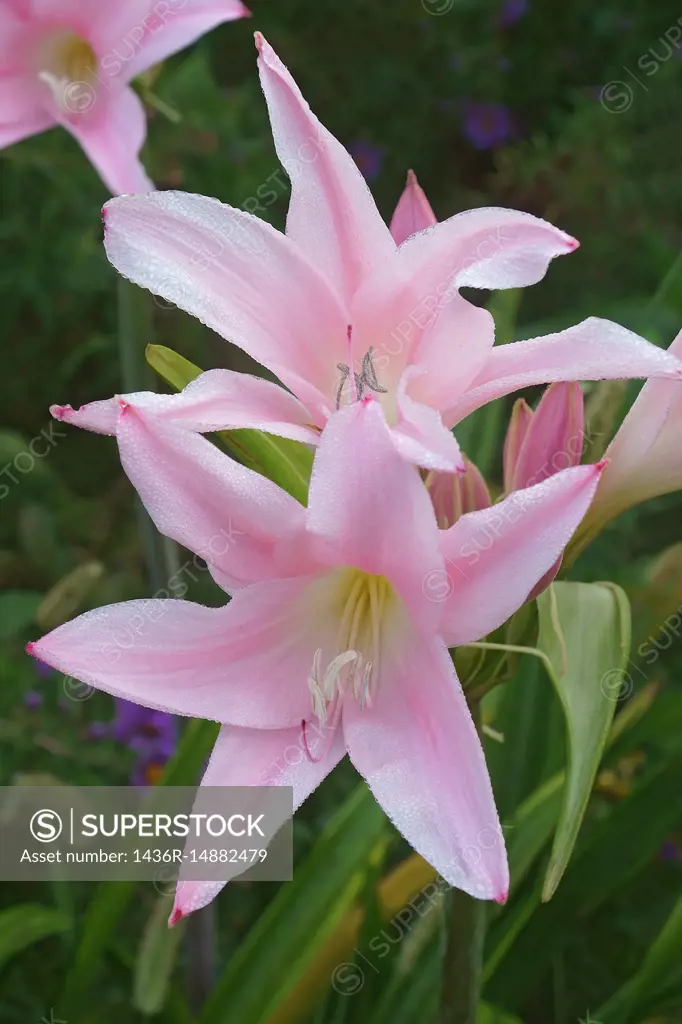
60 412
176 916
601 466
259 40
572 244
31 648
502 898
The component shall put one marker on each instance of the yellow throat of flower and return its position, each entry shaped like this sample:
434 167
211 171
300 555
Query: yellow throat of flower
361 604
67 64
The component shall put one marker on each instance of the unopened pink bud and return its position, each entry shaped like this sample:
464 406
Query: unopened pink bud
553 437
413 212
454 494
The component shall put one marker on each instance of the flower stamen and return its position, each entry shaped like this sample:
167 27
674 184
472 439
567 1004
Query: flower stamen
367 378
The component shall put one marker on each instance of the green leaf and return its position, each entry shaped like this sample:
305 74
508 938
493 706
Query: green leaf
585 633
171 366
26 923
662 961
504 307
286 937
638 825
111 899
531 827
286 462
156 959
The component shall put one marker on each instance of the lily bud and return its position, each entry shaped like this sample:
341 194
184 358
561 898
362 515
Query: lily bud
645 456
546 441
519 422
453 494
540 443
413 212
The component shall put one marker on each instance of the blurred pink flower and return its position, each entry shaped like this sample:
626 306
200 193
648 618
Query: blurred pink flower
335 309
360 593
69 62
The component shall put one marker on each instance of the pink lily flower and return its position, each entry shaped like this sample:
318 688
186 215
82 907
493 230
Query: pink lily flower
360 594
70 62
645 456
335 309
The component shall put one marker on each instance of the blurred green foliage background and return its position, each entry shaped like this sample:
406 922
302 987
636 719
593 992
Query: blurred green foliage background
571 112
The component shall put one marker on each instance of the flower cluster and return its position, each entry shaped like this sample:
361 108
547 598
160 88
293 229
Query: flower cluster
336 638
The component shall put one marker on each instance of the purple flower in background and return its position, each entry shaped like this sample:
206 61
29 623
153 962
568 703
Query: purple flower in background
368 157
33 699
486 125
670 851
152 735
99 730
511 12
42 669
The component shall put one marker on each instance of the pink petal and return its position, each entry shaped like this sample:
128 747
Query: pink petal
258 757
239 276
332 215
554 438
410 309
407 319
100 417
365 501
495 557
31 124
112 137
245 664
67 11
418 749
484 248
592 350
229 515
420 435
413 212
22 111
16 35
453 348
216 400
168 28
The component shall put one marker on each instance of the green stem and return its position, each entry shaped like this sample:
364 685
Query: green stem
200 949
463 963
